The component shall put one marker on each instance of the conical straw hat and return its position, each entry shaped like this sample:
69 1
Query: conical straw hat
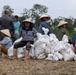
62 23
27 20
45 15
6 32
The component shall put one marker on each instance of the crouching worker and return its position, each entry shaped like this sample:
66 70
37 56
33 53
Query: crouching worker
28 32
6 41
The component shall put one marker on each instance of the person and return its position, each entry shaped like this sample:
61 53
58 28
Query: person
28 32
62 30
6 22
16 27
74 40
6 41
43 23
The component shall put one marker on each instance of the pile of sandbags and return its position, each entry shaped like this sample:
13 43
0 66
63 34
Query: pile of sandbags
48 48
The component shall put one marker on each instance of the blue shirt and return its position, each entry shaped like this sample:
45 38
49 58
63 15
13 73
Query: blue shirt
43 24
16 27
7 42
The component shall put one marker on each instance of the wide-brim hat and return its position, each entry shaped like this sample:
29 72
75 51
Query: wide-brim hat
62 23
6 32
74 29
45 16
27 20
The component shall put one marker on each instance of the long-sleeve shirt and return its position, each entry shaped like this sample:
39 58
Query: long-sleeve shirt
6 22
43 24
60 32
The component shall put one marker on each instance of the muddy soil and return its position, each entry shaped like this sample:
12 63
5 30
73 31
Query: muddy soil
36 67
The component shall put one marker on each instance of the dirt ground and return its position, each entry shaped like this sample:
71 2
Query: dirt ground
36 67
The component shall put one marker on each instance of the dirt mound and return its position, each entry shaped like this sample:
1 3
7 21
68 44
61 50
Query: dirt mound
36 67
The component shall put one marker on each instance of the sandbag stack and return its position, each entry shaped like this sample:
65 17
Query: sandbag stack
50 48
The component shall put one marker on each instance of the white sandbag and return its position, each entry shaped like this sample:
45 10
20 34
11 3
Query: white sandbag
32 52
65 39
46 39
68 54
45 36
59 46
39 35
38 43
50 57
38 51
46 30
75 57
60 56
20 52
47 49
52 51
10 51
72 47
69 46
53 38
39 47
55 57
41 56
